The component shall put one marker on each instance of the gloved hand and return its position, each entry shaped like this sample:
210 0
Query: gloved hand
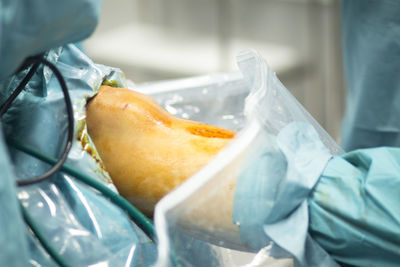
271 194
32 27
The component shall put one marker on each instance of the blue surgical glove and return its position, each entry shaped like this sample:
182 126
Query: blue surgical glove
28 28
271 194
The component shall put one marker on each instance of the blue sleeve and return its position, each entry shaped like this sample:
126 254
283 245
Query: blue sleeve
355 208
371 45
28 27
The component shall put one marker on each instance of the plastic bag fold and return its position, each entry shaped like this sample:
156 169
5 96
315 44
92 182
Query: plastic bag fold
253 194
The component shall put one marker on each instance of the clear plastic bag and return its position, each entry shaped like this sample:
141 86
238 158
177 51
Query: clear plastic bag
248 205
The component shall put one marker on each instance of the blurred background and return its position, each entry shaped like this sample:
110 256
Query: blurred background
151 40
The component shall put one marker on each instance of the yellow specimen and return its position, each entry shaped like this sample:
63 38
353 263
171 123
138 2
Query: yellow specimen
146 150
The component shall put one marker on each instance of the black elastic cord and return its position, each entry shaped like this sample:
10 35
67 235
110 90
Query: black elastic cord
36 62
6 105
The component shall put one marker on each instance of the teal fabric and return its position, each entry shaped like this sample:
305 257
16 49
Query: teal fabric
29 27
271 193
82 226
355 208
371 45
14 247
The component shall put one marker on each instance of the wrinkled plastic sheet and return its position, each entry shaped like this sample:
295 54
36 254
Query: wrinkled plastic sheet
83 227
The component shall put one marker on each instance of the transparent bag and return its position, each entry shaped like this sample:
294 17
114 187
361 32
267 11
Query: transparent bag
248 205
